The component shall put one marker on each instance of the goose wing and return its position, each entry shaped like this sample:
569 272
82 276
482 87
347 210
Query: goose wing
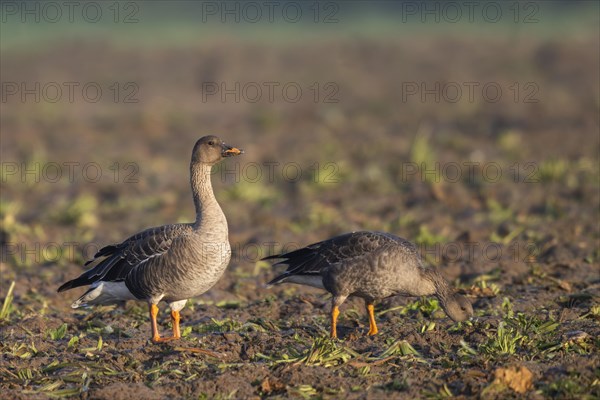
314 258
114 262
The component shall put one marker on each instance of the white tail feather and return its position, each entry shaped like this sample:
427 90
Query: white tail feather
104 293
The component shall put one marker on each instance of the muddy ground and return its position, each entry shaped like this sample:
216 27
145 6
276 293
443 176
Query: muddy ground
517 231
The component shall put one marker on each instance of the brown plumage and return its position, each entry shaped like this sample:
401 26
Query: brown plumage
370 265
172 262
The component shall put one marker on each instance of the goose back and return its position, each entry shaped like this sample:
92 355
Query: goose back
365 264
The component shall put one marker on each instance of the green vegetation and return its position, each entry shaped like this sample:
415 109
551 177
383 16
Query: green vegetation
58 333
7 303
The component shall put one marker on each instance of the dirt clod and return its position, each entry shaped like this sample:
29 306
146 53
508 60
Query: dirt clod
519 379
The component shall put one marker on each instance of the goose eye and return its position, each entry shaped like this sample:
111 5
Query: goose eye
211 143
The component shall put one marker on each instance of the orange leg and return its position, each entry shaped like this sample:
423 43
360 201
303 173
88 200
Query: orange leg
153 314
175 320
335 312
155 335
372 325
176 332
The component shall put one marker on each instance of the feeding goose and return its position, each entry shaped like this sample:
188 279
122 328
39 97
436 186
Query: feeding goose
370 265
171 263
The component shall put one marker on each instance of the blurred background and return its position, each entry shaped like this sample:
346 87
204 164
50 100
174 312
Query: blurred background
340 89
439 122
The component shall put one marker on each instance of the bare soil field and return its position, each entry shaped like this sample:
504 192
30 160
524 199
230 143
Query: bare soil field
502 196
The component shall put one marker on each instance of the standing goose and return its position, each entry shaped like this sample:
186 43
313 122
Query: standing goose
170 262
371 265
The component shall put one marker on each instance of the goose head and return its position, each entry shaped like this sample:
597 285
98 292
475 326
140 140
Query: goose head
210 150
458 307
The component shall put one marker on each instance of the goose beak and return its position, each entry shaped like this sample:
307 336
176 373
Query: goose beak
229 151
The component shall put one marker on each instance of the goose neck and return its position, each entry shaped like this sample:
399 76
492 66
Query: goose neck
202 192
440 284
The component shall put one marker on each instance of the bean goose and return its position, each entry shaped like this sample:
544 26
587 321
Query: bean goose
370 265
171 263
